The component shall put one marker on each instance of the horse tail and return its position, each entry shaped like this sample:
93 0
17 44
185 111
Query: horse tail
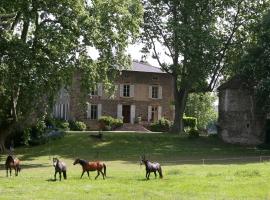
65 174
104 166
160 172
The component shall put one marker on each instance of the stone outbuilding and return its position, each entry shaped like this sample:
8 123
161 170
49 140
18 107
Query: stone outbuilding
240 120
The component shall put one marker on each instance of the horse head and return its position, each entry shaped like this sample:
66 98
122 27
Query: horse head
55 161
76 161
143 160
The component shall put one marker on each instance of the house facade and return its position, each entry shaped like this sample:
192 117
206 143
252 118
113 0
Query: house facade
240 121
143 93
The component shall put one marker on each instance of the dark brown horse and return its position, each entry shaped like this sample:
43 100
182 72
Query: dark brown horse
91 166
151 167
12 162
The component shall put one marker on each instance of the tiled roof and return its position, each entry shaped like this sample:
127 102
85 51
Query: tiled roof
235 82
144 67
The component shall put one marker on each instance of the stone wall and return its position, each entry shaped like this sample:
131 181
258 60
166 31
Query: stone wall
239 120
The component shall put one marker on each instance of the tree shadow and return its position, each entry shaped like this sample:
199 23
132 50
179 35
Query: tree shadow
128 147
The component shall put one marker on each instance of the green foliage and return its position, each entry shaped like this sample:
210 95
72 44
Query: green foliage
255 64
202 39
77 126
193 133
190 122
42 44
162 125
108 123
201 106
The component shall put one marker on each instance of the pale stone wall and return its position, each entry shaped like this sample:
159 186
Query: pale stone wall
239 121
141 100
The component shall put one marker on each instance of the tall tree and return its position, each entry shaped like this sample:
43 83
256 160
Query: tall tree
43 42
255 64
201 106
201 38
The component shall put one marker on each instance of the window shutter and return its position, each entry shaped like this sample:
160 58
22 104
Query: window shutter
149 113
99 88
131 90
99 111
150 91
160 92
121 90
88 111
119 111
132 113
159 112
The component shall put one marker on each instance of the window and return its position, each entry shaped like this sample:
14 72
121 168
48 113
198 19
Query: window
155 78
126 91
94 92
154 92
93 114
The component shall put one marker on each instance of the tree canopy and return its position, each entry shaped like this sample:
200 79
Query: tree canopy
43 42
200 39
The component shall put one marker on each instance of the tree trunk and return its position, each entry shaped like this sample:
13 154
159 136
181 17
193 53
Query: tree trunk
180 99
2 142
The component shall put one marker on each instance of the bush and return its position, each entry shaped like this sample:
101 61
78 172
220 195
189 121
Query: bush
162 125
190 122
108 123
193 133
77 126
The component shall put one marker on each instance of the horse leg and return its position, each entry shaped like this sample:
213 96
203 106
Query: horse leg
97 174
60 176
146 174
16 171
55 175
82 174
88 174
10 171
155 174
103 175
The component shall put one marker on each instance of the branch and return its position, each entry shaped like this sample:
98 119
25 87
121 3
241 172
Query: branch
223 51
156 54
163 36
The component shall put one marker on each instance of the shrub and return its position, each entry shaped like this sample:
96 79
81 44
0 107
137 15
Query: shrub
193 133
162 125
190 122
77 126
107 123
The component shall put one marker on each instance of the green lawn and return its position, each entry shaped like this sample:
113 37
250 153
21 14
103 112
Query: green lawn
185 177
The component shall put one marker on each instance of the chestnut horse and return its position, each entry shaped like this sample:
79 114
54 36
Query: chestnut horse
91 166
12 162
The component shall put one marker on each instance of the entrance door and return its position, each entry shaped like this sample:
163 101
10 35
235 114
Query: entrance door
154 114
126 113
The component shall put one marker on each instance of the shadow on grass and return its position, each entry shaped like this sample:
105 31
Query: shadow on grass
128 147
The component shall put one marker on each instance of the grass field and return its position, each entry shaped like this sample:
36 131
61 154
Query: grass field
185 177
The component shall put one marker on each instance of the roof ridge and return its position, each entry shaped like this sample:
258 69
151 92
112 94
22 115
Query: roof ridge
148 64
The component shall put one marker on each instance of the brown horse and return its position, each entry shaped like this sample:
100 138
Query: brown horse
91 166
12 162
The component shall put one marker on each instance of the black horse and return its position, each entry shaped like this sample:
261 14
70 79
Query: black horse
151 167
60 167
12 162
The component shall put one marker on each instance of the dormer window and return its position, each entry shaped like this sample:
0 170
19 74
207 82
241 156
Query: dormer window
93 92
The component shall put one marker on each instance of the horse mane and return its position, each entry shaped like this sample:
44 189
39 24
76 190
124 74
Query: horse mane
10 158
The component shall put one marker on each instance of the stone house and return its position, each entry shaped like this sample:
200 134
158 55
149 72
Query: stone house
239 119
143 92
